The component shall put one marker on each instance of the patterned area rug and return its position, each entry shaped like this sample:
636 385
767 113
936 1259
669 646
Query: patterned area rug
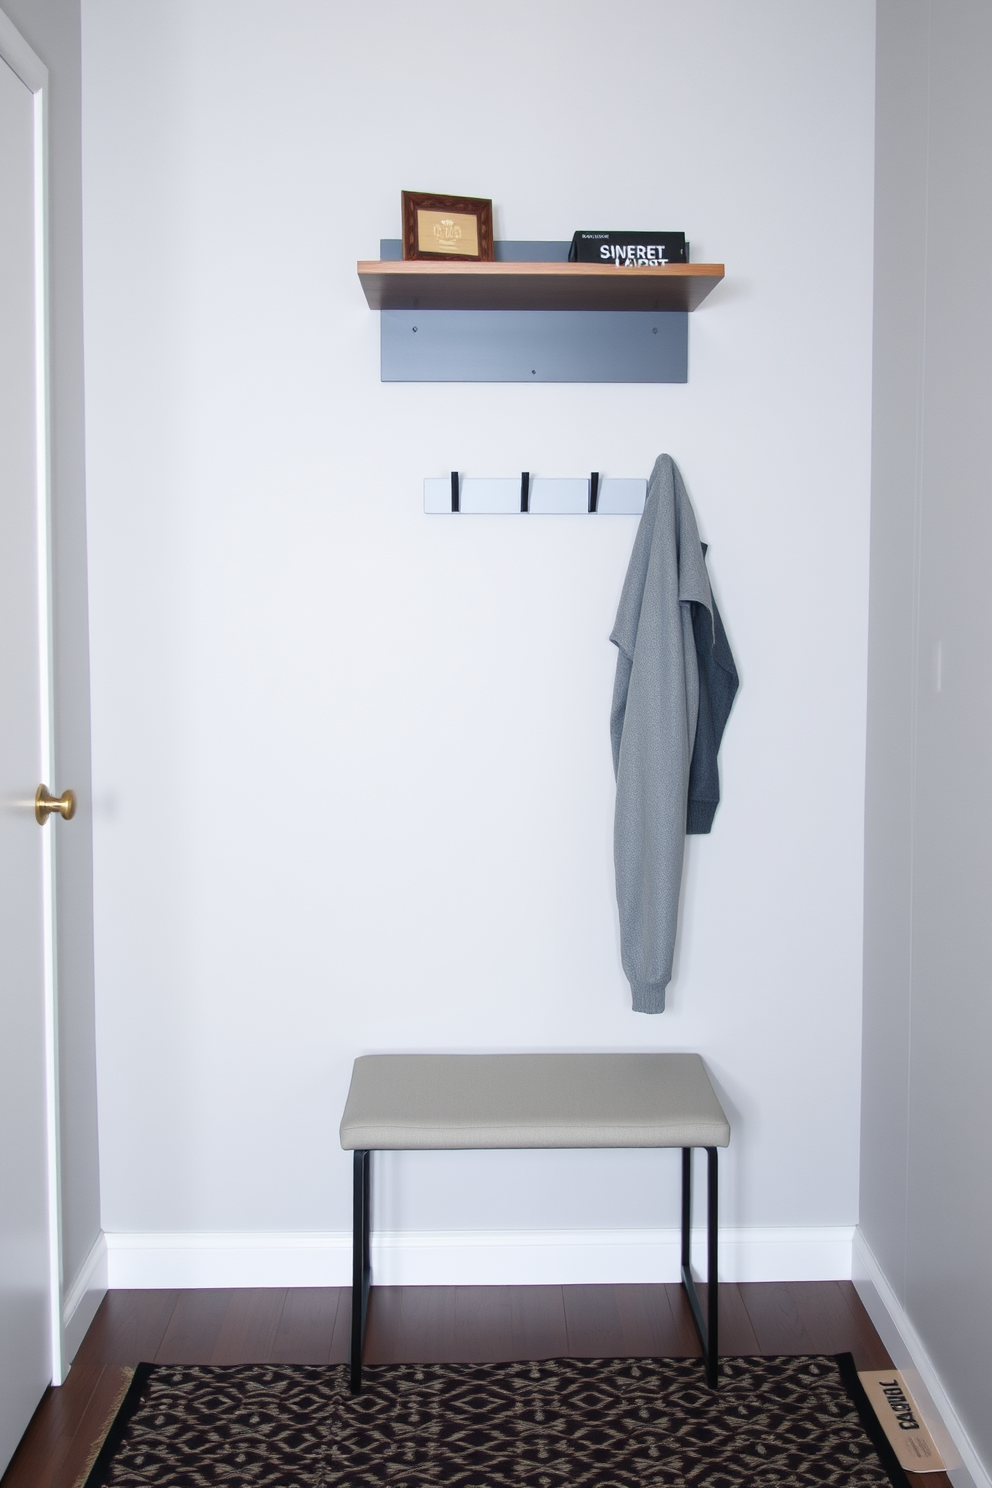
562 1423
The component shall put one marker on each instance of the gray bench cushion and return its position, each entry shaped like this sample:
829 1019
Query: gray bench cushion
420 1101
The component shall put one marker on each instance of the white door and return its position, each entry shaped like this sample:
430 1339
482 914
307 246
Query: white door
26 1177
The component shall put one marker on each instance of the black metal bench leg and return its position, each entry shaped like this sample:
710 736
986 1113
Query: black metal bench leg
712 1280
708 1330
686 1209
361 1261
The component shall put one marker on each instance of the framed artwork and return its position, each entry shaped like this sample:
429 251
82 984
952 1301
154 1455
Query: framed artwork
439 227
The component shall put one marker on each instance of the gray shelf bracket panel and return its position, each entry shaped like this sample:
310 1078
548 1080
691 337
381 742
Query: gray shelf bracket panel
532 345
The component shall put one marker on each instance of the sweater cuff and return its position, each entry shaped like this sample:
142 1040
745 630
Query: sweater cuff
699 817
648 997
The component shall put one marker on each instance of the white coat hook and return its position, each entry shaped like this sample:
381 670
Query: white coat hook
535 495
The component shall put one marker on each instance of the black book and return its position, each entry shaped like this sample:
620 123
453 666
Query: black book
629 249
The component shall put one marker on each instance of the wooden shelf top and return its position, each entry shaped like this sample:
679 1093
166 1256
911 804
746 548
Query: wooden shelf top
429 285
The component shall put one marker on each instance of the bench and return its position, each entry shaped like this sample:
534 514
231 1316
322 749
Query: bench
448 1102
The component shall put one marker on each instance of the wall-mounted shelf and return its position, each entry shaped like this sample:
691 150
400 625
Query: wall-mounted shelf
532 317
426 285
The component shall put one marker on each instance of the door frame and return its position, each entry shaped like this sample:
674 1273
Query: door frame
33 73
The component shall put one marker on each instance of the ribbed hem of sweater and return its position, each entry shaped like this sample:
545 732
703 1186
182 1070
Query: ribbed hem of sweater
648 997
699 817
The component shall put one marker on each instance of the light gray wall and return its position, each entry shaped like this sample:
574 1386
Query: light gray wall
900 187
52 29
926 1202
442 689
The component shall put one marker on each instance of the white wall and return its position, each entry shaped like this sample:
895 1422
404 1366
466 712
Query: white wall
352 764
926 1204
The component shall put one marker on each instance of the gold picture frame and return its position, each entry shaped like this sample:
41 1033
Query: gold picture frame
447 227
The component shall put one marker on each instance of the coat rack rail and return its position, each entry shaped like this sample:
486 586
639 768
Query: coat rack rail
534 495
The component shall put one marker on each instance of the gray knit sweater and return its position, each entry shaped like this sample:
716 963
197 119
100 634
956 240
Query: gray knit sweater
653 724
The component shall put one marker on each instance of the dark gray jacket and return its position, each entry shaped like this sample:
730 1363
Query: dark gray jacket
718 683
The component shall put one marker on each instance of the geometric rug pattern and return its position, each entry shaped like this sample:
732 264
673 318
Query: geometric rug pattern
787 1422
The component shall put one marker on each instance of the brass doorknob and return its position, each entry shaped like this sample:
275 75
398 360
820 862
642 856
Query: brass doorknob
45 804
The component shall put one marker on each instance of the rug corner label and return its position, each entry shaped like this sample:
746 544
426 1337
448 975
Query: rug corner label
900 1419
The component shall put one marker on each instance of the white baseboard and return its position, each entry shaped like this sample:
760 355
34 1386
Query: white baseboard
240 1259
453 1258
83 1297
965 1468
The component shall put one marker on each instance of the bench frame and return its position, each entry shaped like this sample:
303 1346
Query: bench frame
361 1259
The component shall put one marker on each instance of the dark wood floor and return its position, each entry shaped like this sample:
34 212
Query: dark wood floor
474 1324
